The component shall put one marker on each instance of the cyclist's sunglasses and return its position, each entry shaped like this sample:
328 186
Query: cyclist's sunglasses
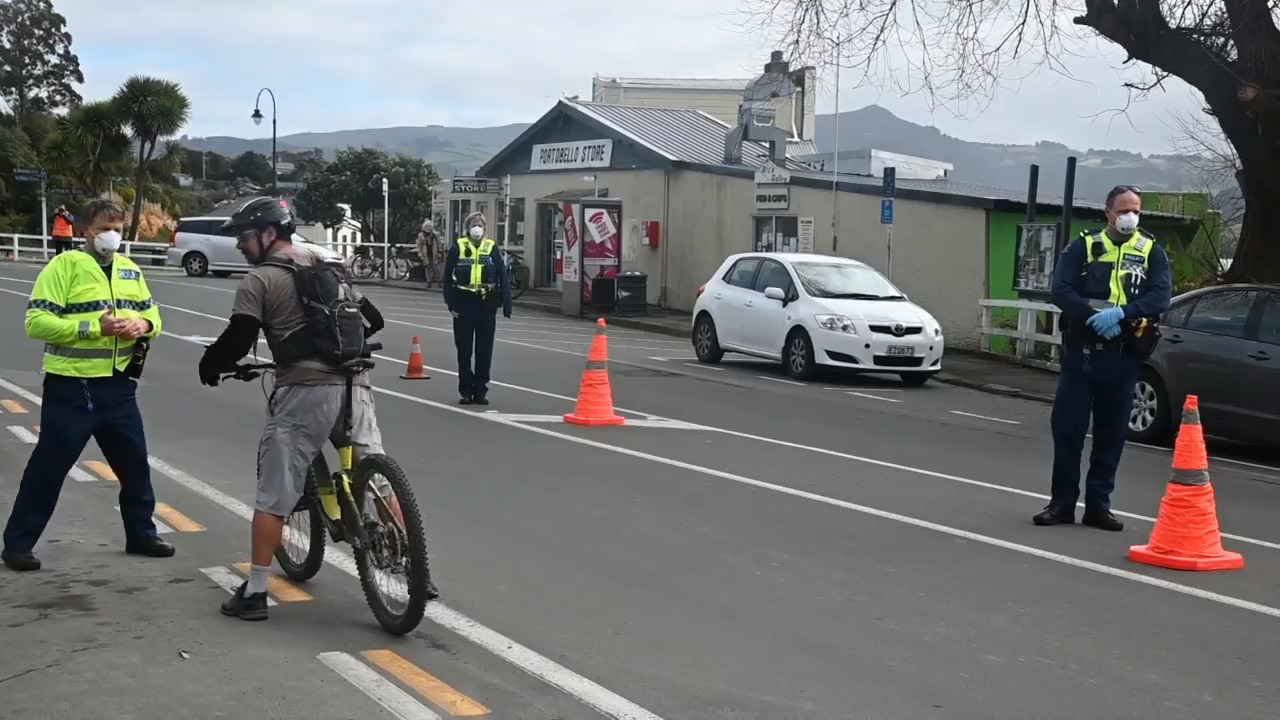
1119 190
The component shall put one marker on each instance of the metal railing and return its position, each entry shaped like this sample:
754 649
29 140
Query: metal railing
1032 346
37 248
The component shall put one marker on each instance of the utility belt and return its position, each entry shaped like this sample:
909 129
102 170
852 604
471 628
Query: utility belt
1140 336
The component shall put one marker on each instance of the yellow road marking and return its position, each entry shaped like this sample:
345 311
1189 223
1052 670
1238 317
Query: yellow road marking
177 520
280 586
428 685
13 406
103 470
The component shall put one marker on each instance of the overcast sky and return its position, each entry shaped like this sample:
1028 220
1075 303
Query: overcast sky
347 64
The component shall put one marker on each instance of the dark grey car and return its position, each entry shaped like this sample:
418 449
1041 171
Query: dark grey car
1222 344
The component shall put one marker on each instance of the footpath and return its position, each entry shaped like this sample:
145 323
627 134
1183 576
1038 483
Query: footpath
965 369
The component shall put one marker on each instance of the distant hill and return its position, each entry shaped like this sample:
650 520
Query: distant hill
456 150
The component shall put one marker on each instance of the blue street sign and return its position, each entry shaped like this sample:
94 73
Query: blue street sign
886 211
890 182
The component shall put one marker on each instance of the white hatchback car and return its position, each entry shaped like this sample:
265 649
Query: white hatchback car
810 310
200 245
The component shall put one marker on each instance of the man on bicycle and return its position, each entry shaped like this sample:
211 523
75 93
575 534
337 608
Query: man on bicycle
306 402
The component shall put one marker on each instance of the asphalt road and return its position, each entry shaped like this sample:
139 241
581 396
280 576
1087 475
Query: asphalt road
747 547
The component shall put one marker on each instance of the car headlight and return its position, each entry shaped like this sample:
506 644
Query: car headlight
937 331
835 323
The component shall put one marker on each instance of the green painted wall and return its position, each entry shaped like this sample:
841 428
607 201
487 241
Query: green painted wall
1190 243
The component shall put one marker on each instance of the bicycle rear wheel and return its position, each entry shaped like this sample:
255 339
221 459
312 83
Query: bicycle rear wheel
306 524
392 552
398 269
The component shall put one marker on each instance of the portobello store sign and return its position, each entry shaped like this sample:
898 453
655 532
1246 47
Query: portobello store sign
572 155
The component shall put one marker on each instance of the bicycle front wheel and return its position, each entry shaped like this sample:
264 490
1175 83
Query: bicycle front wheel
395 551
399 269
301 551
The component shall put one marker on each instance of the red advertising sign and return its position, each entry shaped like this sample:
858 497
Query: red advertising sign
602 245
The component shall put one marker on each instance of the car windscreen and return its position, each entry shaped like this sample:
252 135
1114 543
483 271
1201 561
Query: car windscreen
840 280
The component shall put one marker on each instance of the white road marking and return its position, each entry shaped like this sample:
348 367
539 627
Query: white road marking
875 512
798 446
700 366
583 689
381 690
985 417
780 380
674 359
229 581
23 434
872 397
79 474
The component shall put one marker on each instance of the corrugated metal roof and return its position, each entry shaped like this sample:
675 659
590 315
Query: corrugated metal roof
678 133
678 83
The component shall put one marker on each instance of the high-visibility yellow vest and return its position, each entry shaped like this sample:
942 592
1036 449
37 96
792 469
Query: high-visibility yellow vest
69 297
1125 264
470 272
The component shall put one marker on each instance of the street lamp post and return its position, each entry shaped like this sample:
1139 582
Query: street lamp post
257 120
386 226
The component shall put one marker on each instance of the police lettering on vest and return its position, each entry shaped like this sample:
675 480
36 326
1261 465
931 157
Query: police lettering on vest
67 303
476 271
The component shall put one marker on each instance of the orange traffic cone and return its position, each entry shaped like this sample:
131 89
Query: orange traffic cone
595 395
1186 534
417 370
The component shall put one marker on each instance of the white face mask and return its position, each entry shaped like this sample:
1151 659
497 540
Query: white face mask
107 242
1127 222
477 232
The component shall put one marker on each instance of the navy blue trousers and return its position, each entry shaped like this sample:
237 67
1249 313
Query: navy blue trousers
1098 385
473 331
72 411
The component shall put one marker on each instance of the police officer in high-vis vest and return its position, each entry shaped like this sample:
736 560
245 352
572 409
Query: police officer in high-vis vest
1112 285
475 283
94 313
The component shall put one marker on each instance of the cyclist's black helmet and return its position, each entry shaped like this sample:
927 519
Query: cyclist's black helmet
260 213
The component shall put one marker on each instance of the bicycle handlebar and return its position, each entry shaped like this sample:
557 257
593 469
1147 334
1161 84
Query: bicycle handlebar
252 371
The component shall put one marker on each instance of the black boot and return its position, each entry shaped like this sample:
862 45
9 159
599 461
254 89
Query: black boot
1102 519
20 562
1055 515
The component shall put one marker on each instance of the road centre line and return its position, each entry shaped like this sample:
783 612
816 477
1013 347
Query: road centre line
378 688
810 448
456 703
984 417
872 397
577 686
780 380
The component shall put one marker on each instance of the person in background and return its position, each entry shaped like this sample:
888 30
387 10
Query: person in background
94 313
63 229
475 283
1112 285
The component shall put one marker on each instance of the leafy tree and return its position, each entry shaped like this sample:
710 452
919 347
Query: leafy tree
15 152
355 177
252 166
38 71
150 108
959 50
89 145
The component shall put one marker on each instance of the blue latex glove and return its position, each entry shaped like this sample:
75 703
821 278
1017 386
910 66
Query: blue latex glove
1104 320
1111 332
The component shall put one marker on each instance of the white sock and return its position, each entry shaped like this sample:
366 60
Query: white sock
257 579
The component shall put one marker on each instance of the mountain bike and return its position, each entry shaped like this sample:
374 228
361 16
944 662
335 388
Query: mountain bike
515 267
366 263
387 540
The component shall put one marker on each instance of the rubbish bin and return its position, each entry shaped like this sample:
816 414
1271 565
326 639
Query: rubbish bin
633 291
604 295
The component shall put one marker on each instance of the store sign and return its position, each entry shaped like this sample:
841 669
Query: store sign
771 174
476 186
773 198
571 155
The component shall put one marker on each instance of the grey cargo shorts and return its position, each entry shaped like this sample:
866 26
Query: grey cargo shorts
302 418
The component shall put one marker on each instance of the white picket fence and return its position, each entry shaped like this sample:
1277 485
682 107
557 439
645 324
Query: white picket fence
37 248
1032 317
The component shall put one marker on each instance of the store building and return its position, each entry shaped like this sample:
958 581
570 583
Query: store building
684 190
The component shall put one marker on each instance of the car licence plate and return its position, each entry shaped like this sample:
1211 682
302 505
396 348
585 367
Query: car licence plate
900 350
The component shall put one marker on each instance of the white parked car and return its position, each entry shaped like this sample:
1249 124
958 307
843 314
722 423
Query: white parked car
200 246
810 310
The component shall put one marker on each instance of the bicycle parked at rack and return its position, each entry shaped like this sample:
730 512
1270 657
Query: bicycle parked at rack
387 538
515 267
367 263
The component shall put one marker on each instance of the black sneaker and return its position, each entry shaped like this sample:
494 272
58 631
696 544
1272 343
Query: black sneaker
464 400
20 562
1101 519
479 399
1054 515
251 607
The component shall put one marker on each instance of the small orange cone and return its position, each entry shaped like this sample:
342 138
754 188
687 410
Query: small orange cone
595 394
1186 535
417 370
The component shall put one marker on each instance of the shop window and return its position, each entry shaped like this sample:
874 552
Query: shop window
515 236
777 233
500 222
